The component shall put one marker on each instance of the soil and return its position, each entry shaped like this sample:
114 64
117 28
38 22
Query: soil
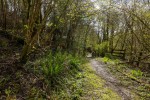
111 81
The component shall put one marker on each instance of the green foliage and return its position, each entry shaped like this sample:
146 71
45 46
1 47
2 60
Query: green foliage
136 73
51 65
108 55
74 63
105 59
101 49
57 70
26 27
108 59
8 91
54 64
116 61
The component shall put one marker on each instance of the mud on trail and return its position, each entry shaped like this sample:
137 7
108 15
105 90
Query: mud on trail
111 81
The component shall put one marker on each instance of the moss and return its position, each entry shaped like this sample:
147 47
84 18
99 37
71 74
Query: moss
94 86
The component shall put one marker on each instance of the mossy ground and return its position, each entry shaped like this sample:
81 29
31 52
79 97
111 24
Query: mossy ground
85 85
77 84
95 87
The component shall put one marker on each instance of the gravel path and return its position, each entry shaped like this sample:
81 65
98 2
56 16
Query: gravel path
111 81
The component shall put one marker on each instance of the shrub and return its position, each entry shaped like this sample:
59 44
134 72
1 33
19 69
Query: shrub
52 65
137 73
52 68
105 59
108 55
101 49
74 63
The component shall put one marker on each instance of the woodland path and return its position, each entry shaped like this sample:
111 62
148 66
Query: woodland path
111 81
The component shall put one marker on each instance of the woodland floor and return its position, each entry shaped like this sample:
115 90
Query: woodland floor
87 84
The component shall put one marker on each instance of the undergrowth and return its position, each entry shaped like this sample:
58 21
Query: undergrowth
54 65
55 76
43 77
66 77
83 85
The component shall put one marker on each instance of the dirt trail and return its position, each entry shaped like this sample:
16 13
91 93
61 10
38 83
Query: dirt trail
111 81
